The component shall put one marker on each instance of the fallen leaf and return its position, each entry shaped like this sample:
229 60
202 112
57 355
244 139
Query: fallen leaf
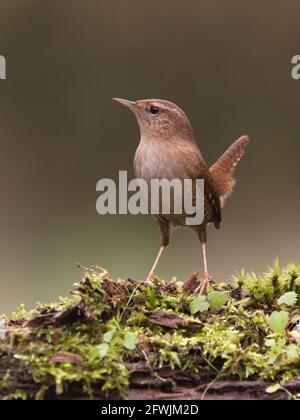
65 357
68 316
164 319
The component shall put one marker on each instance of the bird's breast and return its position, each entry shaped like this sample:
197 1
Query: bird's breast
173 160
158 161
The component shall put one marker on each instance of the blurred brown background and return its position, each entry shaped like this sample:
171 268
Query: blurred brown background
228 64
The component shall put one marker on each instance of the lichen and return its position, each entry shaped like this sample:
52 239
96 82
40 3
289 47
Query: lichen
92 344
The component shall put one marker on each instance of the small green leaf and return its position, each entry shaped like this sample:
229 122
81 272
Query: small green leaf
199 304
288 299
217 299
293 351
108 336
281 342
130 340
273 389
278 322
103 349
270 343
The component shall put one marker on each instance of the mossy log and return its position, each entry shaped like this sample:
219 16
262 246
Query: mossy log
133 340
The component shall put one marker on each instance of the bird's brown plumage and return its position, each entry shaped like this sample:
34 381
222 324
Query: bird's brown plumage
168 150
222 170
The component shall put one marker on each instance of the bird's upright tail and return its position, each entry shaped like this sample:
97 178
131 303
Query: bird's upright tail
222 170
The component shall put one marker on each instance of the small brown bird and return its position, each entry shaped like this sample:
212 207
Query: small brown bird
168 150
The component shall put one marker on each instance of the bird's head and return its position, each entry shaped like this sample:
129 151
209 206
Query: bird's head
158 118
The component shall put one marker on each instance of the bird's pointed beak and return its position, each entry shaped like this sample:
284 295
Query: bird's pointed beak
125 102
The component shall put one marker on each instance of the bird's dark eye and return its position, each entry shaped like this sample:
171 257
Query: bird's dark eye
154 110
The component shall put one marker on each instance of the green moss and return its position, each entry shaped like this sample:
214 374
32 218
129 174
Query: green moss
91 344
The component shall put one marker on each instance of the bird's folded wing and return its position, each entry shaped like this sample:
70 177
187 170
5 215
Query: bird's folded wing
212 207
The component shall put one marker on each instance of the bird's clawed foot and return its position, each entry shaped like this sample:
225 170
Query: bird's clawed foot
150 278
204 284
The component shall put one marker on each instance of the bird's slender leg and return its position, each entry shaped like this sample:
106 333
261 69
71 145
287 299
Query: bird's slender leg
152 271
164 227
203 287
205 281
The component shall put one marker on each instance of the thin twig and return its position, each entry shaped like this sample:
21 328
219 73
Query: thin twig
130 298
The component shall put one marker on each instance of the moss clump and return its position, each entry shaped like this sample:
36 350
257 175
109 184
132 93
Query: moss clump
113 335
